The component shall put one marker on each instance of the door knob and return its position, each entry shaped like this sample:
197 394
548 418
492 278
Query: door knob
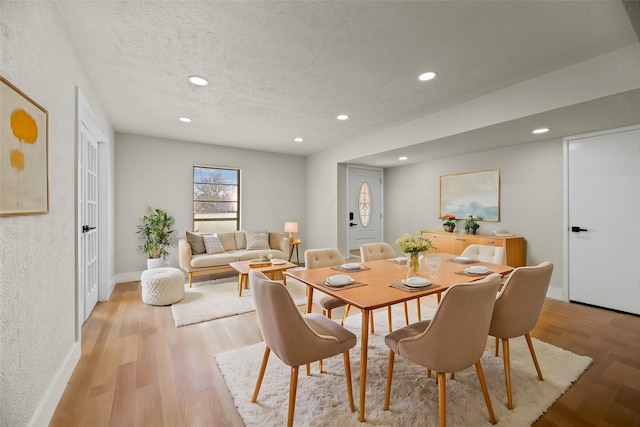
577 229
352 224
86 228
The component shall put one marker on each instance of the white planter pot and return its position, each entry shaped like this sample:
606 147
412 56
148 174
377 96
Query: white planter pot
154 263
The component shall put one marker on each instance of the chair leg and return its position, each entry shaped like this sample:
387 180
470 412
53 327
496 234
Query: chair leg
346 313
320 365
387 392
428 373
406 313
389 321
263 367
308 369
507 371
372 328
329 313
453 375
442 398
497 346
293 388
347 374
419 308
533 355
485 392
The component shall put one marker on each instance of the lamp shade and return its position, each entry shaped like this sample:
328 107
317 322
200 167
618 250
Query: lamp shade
291 227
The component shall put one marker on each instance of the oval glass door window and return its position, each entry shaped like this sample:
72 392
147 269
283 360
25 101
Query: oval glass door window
364 204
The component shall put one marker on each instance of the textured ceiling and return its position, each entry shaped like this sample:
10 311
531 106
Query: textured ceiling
279 70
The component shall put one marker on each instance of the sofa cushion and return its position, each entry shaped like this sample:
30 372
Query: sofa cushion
241 239
213 260
212 244
196 243
257 241
228 241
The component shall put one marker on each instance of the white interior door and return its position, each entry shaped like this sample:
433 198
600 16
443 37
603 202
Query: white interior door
365 206
88 216
603 208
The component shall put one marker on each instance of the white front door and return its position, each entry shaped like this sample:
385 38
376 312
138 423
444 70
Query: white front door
603 241
88 215
364 207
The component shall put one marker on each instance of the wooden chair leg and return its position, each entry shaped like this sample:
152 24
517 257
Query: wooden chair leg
293 388
347 374
442 398
439 296
497 346
453 375
387 392
419 308
406 313
533 355
329 313
263 367
372 328
308 369
507 371
485 392
346 313
320 365
428 373
389 321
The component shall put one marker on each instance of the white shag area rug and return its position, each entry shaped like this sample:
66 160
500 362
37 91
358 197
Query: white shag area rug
322 398
219 298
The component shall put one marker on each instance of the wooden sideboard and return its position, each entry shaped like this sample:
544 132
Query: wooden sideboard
455 243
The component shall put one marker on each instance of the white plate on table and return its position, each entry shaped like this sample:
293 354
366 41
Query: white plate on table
477 269
463 259
416 282
351 266
277 261
339 280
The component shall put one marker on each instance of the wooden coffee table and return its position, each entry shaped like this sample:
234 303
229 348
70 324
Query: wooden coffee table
243 268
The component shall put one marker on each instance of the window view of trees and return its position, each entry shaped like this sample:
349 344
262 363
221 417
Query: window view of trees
216 199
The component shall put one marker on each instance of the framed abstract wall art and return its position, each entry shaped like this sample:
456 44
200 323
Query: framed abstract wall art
471 193
24 153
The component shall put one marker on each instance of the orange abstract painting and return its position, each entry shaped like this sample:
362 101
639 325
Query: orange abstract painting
24 162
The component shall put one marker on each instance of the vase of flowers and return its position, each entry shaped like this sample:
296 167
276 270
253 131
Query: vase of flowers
413 246
471 224
448 222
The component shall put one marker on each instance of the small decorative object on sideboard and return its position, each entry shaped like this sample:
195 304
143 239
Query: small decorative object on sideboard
449 222
413 246
471 224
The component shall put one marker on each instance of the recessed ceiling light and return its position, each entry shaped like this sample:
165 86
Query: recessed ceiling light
427 76
541 130
342 117
403 158
298 139
185 119
198 81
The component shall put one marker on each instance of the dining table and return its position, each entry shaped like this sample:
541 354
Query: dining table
379 284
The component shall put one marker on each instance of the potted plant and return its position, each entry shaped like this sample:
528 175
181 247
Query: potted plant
471 224
449 222
156 232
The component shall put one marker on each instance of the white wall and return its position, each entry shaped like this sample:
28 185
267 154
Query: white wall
39 344
531 197
159 173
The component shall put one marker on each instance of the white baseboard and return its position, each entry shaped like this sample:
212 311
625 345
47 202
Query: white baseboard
47 406
555 293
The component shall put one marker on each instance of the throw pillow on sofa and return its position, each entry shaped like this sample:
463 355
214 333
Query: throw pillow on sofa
259 241
212 244
196 243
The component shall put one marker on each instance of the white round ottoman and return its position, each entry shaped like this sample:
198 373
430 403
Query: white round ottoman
162 286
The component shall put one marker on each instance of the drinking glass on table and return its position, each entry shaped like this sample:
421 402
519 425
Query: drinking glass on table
433 262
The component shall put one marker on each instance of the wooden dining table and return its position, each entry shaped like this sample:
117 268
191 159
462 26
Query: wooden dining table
373 290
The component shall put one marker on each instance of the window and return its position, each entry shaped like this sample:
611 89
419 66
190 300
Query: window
216 199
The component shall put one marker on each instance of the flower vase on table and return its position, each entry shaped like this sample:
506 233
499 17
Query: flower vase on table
412 247
413 263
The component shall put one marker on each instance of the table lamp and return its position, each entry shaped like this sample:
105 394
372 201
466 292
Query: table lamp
291 228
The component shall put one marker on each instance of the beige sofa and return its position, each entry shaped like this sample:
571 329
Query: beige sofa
195 260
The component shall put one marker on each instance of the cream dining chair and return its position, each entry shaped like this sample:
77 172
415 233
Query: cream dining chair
377 251
319 258
453 340
296 338
486 253
516 313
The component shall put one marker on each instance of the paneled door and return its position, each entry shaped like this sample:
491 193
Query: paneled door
603 241
88 215
364 207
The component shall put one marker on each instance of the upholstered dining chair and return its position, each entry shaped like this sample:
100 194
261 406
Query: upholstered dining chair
296 338
319 258
454 339
382 250
516 313
486 253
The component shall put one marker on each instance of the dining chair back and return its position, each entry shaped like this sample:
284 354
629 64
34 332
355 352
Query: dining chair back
295 338
319 258
376 251
454 339
486 253
517 310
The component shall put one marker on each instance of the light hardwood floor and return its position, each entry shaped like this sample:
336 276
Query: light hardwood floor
138 369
